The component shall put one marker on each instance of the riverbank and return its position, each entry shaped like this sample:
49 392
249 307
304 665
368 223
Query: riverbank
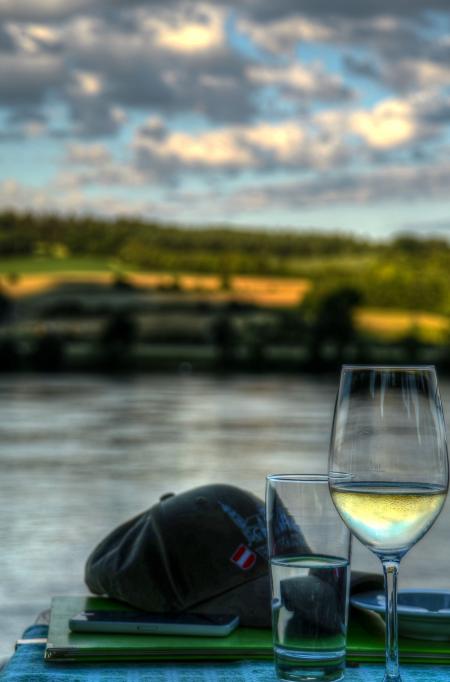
152 322
51 354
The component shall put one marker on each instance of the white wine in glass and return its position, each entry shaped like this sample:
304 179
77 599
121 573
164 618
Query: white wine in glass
388 467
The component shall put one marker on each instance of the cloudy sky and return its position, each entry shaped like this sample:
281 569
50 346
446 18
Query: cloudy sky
246 113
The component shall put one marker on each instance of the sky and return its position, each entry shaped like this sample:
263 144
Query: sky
284 115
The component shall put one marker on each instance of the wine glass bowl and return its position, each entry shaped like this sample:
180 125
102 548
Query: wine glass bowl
388 466
388 519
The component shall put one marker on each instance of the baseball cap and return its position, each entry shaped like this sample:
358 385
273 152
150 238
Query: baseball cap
202 550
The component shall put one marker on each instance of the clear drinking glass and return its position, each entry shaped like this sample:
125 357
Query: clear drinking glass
309 557
388 467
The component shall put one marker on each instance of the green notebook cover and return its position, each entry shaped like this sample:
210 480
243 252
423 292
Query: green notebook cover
62 644
365 641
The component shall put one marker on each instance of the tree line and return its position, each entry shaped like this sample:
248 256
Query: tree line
406 272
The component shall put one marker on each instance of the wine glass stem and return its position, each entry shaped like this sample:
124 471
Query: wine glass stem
390 570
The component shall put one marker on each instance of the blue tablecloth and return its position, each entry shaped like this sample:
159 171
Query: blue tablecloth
27 665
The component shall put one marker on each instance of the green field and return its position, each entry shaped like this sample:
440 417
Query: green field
40 283
313 266
27 265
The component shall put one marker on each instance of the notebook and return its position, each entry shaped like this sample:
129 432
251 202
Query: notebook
62 644
365 641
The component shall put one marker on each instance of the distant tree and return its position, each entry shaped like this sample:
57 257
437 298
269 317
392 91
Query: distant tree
444 363
333 326
12 277
6 308
175 284
120 330
48 353
116 341
122 283
224 338
290 328
411 346
9 355
226 281
259 333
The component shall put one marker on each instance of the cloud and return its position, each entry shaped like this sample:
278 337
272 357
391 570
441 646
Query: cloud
93 165
392 122
416 73
67 198
328 140
283 34
397 183
87 84
259 146
32 38
18 196
266 11
344 103
389 124
98 64
101 60
202 30
44 10
295 79
263 11
23 125
87 154
331 190
29 79
403 54
360 66
217 148
386 35
437 227
158 154
168 61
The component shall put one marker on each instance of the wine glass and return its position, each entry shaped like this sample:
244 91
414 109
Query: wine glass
388 467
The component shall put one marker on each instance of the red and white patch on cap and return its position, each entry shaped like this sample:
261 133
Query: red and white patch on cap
244 558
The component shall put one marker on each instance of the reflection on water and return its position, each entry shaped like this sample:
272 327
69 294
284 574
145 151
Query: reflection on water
81 454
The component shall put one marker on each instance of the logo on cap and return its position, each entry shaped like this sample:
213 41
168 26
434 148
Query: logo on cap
244 558
253 528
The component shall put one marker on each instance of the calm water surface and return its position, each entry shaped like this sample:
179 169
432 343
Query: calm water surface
81 454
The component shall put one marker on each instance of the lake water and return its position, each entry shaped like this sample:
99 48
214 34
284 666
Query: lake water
79 455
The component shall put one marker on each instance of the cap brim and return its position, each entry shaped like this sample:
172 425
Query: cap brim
250 601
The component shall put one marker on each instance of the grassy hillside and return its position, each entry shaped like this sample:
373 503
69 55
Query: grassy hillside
85 293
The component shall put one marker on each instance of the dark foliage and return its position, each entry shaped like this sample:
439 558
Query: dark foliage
48 353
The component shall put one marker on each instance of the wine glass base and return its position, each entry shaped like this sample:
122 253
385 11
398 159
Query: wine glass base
392 678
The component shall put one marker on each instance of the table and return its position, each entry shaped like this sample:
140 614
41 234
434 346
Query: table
27 665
